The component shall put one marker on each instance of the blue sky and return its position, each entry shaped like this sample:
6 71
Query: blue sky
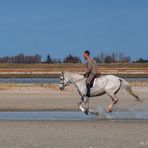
61 27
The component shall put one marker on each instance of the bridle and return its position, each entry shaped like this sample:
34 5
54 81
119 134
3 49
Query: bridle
62 83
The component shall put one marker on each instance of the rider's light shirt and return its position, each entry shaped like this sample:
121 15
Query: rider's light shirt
91 66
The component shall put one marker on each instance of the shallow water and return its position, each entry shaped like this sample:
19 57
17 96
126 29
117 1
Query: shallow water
52 80
29 80
44 115
73 116
137 79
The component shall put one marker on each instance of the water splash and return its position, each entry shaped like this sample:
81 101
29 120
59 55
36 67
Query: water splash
131 114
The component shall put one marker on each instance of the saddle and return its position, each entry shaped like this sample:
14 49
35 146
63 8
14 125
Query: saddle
96 76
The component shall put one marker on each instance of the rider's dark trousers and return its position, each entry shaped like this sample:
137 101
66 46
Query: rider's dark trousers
88 83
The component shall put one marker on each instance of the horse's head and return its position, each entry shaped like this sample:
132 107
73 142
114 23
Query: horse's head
64 81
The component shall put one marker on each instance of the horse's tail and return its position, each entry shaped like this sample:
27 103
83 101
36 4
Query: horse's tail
128 88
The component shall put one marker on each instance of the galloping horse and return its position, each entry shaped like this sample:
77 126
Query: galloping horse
108 84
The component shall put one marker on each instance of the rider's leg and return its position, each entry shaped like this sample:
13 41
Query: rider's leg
88 83
88 90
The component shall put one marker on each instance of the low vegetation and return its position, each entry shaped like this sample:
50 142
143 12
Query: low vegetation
53 70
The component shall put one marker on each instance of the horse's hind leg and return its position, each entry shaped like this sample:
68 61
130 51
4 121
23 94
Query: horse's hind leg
114 100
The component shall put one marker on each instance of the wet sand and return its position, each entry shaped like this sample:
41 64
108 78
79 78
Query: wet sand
73 134
69 134
32 98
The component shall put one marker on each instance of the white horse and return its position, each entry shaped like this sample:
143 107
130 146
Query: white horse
108 84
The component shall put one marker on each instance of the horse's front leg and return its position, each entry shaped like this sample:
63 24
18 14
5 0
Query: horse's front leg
79 104
86 101
82 100
87 109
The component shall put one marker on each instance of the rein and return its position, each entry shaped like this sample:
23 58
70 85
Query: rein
71 82
78 80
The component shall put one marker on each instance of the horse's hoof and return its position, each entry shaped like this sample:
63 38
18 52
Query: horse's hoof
109 110
97 114
86 112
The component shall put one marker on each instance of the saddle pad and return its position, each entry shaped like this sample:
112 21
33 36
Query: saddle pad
93 82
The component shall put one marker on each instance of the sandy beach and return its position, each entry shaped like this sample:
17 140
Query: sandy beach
49 97
73 134
69 134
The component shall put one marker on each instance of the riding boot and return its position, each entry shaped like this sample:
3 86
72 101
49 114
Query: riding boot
88 90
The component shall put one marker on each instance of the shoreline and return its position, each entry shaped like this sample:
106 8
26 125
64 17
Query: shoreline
54 70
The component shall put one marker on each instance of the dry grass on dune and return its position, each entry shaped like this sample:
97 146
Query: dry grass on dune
42 69
72 65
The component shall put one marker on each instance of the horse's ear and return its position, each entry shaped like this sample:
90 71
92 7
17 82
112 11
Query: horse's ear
62 72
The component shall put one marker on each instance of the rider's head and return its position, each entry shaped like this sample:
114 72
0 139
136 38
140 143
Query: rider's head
86 54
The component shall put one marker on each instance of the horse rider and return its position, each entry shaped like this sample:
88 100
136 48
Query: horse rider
91 70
